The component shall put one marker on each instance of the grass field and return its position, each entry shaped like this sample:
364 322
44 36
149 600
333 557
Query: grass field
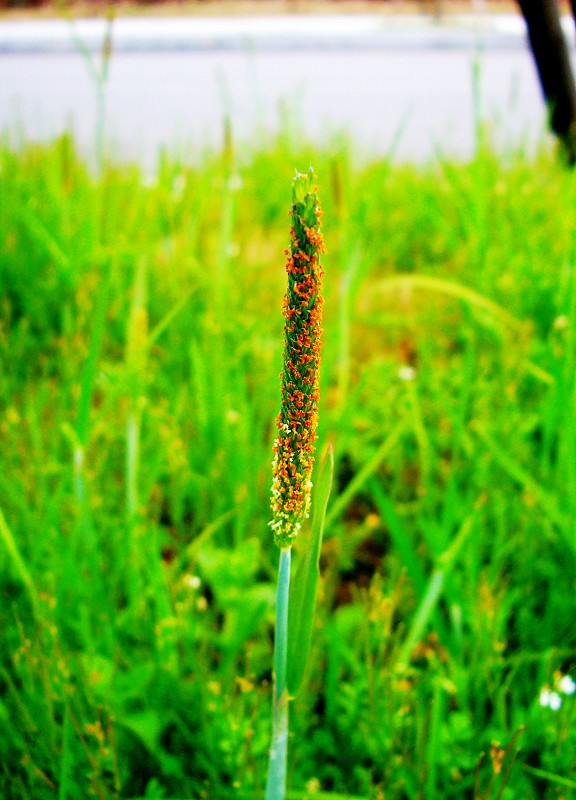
140 347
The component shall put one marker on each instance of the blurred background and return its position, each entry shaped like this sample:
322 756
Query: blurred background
402 78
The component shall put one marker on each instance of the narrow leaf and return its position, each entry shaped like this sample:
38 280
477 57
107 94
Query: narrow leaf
365 473
549 776
9 542
305 583
434 590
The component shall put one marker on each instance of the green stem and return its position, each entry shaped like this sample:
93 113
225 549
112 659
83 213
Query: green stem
276 786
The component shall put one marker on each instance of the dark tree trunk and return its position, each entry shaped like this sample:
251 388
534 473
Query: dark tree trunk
552 58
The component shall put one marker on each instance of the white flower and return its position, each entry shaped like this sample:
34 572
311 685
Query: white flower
193 581
567 685
551 700
555 701
406 373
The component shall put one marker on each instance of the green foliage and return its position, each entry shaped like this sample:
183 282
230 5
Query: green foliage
304 587
140 345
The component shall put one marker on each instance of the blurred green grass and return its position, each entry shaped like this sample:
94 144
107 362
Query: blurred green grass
140 347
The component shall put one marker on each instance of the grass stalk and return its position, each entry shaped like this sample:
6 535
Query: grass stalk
295 444
276 785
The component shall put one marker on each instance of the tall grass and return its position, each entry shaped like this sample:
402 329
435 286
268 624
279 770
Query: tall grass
139 347
293 464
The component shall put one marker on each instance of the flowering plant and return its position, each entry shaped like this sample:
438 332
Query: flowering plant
293 464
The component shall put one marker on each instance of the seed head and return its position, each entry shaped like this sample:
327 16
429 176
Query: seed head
298 418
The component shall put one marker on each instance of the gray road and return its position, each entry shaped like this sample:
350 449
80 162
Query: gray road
409 90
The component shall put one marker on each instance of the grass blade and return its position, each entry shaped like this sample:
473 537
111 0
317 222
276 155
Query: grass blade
21 569
517 473
364 474
456 290
435 586
549 776
305 583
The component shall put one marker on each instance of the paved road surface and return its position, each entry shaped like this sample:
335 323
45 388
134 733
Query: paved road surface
402 86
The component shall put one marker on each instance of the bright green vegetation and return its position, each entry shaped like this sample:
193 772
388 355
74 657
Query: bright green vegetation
140 347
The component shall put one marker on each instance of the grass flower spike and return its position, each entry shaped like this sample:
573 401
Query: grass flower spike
294 445
298 418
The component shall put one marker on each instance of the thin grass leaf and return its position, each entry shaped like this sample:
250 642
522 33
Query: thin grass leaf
18 562
549 776
456 290
164 323
322 796
506 778
44 238
305 582
88 379
401 538
65 787
434 748
517 472
364 474
200 540
474 300
430 599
